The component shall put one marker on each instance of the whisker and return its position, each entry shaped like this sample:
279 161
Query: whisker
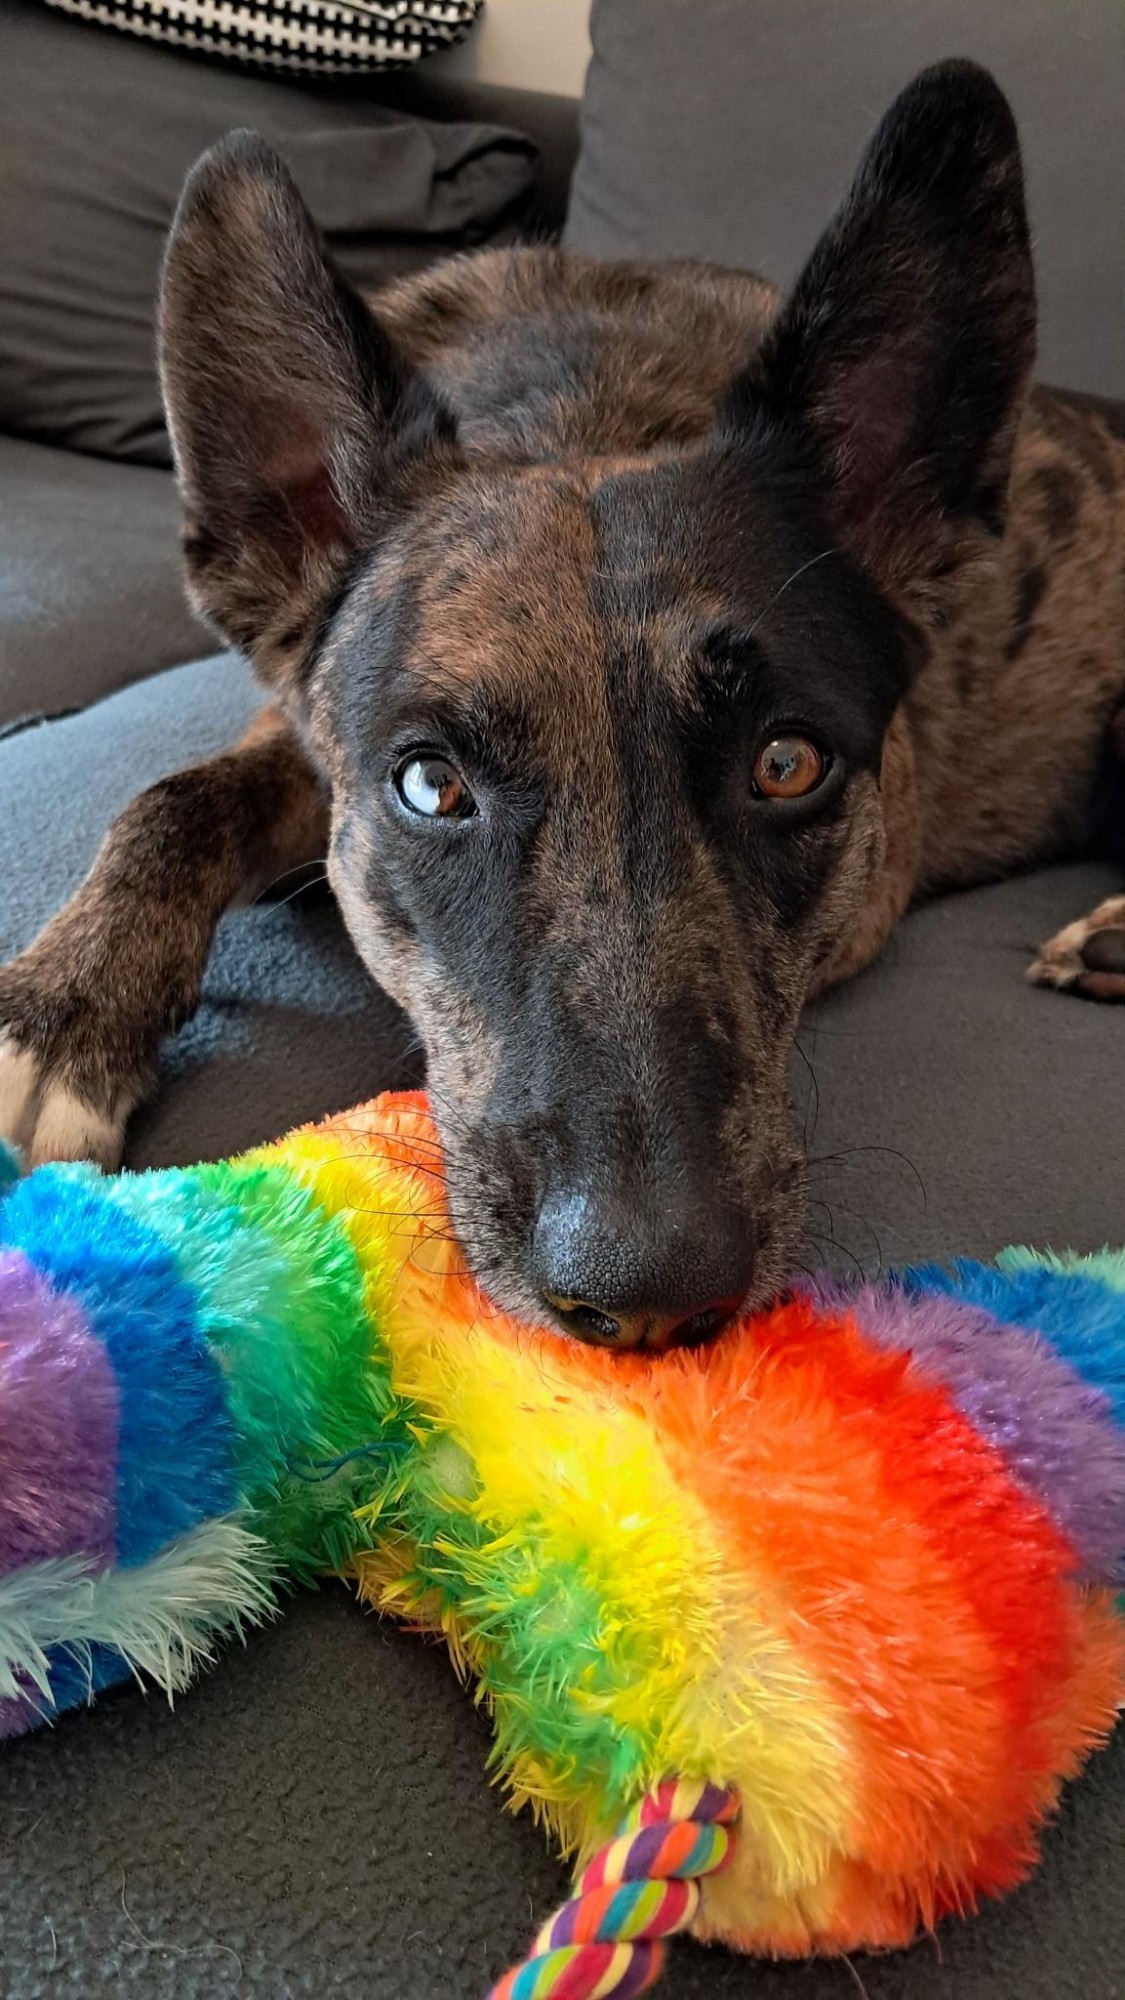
807 1136
271 902
395 1146
451 1113
823 1244
314 861
800 571
853 1152
359 1160
843 1208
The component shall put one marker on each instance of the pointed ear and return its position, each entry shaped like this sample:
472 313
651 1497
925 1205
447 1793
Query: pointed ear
905 348
295 421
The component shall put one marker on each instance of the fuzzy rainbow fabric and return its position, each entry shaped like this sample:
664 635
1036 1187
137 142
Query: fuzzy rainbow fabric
859 1559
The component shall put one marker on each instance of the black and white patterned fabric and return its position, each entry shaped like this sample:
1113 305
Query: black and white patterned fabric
342 37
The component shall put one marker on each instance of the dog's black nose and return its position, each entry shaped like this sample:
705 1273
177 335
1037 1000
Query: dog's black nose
628 1279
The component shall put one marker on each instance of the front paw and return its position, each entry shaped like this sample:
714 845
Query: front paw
67 1082
1087 957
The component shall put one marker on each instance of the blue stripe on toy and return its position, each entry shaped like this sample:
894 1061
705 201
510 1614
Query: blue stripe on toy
175 1463
1081 1318
77 1673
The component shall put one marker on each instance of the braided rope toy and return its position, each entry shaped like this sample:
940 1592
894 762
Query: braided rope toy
855 1564
640 1888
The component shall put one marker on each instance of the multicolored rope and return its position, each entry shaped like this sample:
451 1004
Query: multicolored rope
640 1888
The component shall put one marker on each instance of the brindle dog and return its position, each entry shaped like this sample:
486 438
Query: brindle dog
640 647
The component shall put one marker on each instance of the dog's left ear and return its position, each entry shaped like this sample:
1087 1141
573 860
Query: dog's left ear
905 348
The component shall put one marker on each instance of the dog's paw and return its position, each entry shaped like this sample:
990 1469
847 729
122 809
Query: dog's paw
1087 957
45 1118
68 1067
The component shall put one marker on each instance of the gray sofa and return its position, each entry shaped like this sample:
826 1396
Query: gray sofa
315 1816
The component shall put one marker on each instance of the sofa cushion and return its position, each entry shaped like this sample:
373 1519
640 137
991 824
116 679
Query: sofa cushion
335 39
90 588
321 1799
728 131
97 131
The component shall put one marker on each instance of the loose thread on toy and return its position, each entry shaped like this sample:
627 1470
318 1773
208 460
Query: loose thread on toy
327 1468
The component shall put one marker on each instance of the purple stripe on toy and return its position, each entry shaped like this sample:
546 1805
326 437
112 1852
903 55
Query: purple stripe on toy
77 1674
563 1923
644 1847
19 1714
713 1800
644 1961
1056 1434
58 1425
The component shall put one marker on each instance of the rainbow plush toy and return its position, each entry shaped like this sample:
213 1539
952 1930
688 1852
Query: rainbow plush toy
849 1574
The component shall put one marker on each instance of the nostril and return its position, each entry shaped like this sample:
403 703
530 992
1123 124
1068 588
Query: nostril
588 1322
701 1326
640 1329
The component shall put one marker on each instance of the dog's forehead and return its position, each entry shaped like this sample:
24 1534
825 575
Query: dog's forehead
580 605
558 563
658 516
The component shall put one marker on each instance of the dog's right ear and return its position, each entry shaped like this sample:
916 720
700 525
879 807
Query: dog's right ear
295 421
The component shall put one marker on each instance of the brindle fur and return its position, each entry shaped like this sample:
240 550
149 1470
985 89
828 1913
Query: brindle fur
120 965
592 530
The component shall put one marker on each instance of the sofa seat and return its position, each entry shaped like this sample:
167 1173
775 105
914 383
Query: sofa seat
316 1814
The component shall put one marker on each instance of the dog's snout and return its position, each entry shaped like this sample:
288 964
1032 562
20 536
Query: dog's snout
627 1278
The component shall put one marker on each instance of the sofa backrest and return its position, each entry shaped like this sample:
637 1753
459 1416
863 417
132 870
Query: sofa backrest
728 129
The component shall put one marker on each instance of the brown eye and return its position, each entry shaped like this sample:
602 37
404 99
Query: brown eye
434 788
788 767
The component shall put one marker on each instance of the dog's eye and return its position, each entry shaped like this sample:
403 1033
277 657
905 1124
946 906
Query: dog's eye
788 767
432 787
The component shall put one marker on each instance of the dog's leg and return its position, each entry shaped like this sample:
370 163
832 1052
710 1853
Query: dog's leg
1088 957
84 1008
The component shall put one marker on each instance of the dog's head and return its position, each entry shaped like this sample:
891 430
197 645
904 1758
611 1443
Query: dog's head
606 735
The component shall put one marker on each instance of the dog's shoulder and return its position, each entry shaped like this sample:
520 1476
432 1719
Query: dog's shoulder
1011 708
1071 450
541 352
1065 539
